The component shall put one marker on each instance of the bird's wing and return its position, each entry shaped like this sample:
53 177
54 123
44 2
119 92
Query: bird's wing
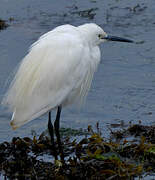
46 76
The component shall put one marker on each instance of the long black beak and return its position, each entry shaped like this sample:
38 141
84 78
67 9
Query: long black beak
115 38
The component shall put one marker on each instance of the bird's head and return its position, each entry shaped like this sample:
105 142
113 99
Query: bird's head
95 35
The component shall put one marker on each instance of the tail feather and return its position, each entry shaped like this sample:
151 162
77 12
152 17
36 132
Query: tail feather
12 123
14 127
17 119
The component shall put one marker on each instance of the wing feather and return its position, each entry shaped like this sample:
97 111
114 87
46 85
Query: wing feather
46 76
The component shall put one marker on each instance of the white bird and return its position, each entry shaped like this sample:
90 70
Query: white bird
57 71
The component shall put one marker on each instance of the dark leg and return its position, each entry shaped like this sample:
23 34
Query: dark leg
56 126
51 132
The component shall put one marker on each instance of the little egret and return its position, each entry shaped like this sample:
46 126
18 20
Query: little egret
57 71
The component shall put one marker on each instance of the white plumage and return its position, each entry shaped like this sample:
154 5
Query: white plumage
58 70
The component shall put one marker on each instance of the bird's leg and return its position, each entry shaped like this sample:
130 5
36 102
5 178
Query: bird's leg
51 132
56 126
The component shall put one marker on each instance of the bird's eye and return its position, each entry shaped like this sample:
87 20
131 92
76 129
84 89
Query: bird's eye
100 36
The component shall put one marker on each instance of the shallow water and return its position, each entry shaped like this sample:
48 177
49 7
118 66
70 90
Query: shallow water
123 88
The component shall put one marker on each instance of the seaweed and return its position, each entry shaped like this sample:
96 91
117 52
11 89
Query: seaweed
93 157
3 24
